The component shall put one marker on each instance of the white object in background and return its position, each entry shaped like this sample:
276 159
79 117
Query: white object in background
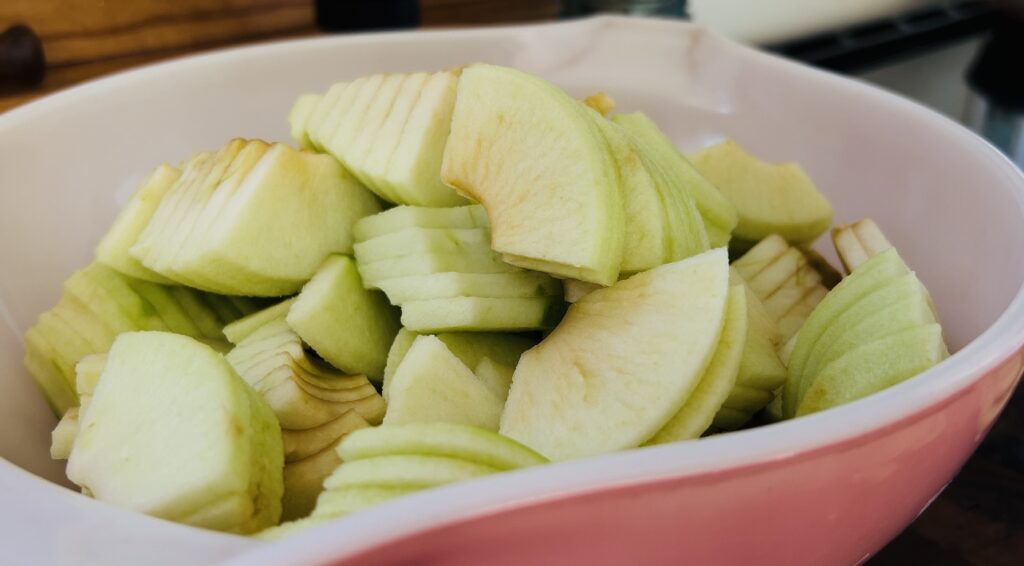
774 21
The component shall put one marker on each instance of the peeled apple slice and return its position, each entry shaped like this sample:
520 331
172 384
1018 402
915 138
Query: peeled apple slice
585 389
220 442
770 198
531 156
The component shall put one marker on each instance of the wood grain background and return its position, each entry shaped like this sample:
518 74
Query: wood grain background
83 39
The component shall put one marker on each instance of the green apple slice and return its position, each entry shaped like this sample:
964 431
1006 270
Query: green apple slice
353 116
485 261
373 166
584 390
761 256
773 276
339 99
401 217
523 284
338 503
461 442
304 481
496 377
302 444
697 413
110 293
791 291
481 314
399 348
719 214
377 114
112 250
532 157
45 367
432 385
62 439
873 367
412 241
404 472
859 242
133 453
298 118
244 327
794 319
875 274
415 166
349 326
318 119
770 198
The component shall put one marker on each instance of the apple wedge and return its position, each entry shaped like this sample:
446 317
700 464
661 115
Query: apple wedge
859 242
219 449
432 385
254 221
584 390
304 478
482 314
517 285
299 116
531 155
714 387
244 327
347 325
770 198
402 217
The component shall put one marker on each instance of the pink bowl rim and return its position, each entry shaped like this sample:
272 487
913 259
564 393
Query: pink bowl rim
389 521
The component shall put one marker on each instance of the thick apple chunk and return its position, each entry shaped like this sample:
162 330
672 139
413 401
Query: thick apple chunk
349 326
532 157
220 444
255 220
622 362
770 198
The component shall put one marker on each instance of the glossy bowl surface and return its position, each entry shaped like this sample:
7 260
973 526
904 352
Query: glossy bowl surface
827 489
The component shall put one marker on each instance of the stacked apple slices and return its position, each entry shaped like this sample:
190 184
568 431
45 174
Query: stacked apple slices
389 130
437 265
316 405
214 461
875 329
97 305
251 219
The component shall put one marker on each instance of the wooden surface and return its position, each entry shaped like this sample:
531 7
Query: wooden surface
978 520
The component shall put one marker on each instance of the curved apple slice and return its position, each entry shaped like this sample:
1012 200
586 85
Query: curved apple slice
623 361
531 156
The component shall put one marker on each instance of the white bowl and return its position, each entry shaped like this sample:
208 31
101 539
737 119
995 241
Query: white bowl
829 488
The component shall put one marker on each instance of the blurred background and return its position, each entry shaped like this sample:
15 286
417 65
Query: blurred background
962 58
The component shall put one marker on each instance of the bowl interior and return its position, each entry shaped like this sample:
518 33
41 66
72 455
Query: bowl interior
948 203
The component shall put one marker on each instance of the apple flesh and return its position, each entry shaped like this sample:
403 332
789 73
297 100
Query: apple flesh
219 449
584 390
534 159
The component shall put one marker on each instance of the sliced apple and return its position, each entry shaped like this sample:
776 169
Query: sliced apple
338 503
299 116
401 217
495 376
221 441
793 320
858 242
481 314
770 198
584 390
62 439
319 122
761 256
518 146
375 273
420 241
719 214
373 167
244 327
522 284
404 471
714 387
304 479
432 385
349 326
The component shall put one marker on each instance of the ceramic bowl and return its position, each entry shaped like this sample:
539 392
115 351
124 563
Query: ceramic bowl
831 488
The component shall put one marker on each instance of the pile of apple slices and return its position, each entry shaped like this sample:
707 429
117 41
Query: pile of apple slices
438 266
554 283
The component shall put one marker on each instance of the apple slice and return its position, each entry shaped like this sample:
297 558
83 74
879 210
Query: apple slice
404 472
794 319
718 213
761 256
417 241
484 261
401 217
432 385
873 367
523 284
446 440
220 442
875 274
770 198
48 371
697 413
299 116
112 250
338 503
584 390
791 291
304 478
481 314
775 274
532 157
349 326
244 327
858 242
317 126
228 238
496 377
352 116
472 348
302 444
62 439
